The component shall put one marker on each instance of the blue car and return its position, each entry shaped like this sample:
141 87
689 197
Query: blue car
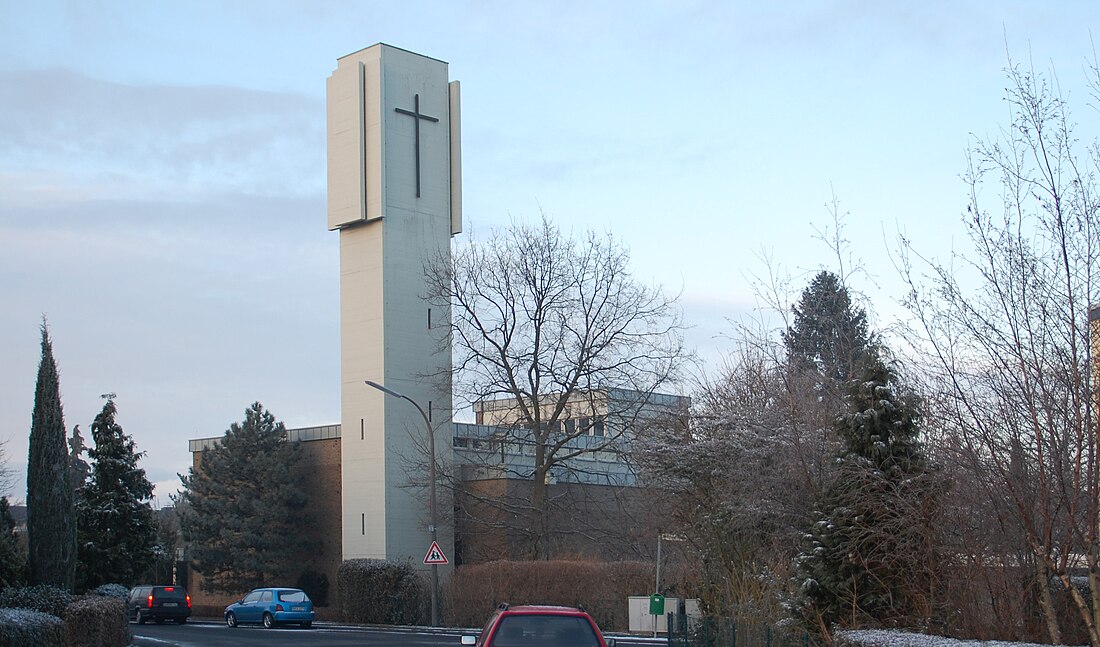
270 607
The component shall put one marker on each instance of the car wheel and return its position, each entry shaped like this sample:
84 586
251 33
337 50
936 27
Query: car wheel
160 621
231 619
139 617
269 620
307 624
182 621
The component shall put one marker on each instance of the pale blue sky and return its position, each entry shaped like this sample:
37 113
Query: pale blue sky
162 168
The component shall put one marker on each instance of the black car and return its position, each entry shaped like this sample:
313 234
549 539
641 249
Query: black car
159 603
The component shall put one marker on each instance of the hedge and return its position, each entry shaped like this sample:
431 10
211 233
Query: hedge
43 598
97 621
378 591
602 588
27 628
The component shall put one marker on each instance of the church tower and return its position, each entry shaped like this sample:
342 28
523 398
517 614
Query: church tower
394 196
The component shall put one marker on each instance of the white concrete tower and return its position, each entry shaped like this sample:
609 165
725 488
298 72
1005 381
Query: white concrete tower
394 194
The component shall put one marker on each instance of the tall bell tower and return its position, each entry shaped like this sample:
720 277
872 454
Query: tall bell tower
394 196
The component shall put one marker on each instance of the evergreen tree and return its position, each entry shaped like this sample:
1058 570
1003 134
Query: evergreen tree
51 523
869 555
13 563
78 467
829 334
245 509
116 531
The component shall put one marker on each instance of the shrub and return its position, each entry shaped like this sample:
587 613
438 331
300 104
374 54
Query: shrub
316 587
378 591
43 597
602 588
27 628
112 591
97 621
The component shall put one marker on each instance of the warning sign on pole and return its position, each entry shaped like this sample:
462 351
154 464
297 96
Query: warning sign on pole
435 555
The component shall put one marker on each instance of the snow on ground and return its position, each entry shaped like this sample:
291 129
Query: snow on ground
885 638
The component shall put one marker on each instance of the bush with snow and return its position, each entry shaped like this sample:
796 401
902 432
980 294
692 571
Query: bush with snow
27 628
43 597
112 591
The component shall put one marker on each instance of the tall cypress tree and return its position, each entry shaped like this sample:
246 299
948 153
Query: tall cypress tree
116 532
51 523
246 508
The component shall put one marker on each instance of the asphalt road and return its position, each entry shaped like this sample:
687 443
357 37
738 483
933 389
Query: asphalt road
200 633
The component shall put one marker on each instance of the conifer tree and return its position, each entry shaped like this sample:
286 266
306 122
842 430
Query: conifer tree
869 556
13 563
78 467
116 532
51 523
245 509
829 334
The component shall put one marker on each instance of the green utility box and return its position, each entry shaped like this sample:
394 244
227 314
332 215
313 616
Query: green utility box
656 605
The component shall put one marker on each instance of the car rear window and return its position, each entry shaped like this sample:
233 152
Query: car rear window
170 592
293 596
544 631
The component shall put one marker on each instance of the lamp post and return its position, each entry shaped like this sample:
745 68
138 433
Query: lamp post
657 584
431 490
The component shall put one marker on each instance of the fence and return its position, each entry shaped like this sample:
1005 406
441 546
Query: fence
726 632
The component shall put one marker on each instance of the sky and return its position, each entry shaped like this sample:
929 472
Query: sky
162 170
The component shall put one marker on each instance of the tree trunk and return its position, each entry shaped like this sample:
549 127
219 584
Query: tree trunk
538 548
1046 602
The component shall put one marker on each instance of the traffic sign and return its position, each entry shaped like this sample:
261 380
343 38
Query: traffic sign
435 555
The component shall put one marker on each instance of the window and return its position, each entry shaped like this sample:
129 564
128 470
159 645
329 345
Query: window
252 597
292 596
266 597
597 428
544 630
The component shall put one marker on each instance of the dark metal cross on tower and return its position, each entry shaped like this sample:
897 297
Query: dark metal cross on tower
415 113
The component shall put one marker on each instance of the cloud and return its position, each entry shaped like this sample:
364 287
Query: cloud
65 136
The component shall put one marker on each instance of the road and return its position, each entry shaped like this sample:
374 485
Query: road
200 633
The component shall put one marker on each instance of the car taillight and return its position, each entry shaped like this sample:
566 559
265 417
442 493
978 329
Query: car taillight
189 602
169 588
278 607
150 602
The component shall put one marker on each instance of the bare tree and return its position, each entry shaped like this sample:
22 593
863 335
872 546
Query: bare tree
558 348
1006 327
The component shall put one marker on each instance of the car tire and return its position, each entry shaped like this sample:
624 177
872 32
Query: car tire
307 624
269 621
182 621
160 621
231 619
139 617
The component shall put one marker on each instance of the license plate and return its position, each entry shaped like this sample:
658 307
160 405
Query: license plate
170 604
297 608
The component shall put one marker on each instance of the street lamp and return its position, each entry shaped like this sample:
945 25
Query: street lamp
431 490
657 584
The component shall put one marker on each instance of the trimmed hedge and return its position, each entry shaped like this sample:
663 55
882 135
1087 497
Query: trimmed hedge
97 621
27 628
43 598
111 591
602 588
379 591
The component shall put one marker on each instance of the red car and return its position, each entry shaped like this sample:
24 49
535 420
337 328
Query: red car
544 626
